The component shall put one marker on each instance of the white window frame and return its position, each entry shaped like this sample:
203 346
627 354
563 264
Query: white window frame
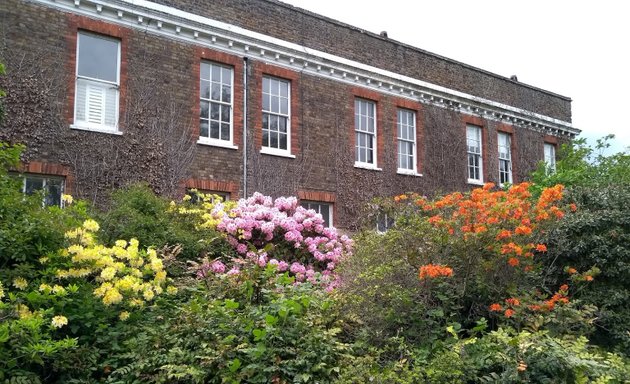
271 150
46 179
317 207
410 124
218 142
474 152
504 145
93 83
550 157
361 131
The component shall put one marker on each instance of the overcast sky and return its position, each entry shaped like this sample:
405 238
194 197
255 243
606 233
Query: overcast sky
578 49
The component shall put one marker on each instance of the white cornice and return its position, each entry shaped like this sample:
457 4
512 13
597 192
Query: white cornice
202 31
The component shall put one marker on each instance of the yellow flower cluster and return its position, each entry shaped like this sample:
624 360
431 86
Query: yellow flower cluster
207 208
127 275
1 291
59 321
20 283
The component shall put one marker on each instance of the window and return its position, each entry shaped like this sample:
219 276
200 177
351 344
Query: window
276 119
216 93
97 82
365 132
475 161
195 196
52 188
384 222
406 141
505 158
324 209
550 157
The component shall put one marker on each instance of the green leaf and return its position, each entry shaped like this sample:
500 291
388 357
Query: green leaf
234 365
271 320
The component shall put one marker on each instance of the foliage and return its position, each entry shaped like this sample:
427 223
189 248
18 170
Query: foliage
597 235
137 212
582 165
285 337
468 251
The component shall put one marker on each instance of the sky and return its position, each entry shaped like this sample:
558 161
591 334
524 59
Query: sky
578 49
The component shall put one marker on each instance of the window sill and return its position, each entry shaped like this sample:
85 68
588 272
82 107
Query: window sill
269 151
475 182
408 172
216 143
92 129
370 167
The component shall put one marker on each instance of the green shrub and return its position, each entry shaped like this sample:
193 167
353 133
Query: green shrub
285 336
137 212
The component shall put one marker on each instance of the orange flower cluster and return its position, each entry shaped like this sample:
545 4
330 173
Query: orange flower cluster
434 270
510 216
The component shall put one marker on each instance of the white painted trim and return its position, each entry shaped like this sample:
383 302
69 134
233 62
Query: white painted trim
408 172
92 129
368 166
216 143
276 152
220 36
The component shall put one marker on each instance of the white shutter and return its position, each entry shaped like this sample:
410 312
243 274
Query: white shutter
96 105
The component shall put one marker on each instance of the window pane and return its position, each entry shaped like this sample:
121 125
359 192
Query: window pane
216 92
226 94
214 111
225 113
204 111
98 57
225 131
216 73
214 130
283 141
283 124
204 87
203 128
33 184
227 76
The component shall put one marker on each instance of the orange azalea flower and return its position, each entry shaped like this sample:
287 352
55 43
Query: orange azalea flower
588 278
541 247
513 302
496 307
528 268
509 312
513 261
504 234
573 207
523 230
434 270
435 219
564 287
571 271
535 307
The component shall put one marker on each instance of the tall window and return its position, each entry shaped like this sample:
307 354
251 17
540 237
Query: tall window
365 131
97 82
324 209
51 186
406 140
550 157
475 161
215 120
505 158
276 115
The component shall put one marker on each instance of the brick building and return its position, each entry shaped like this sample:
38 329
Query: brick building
237 96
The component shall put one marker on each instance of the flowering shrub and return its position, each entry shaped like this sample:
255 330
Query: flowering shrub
279 233
124 274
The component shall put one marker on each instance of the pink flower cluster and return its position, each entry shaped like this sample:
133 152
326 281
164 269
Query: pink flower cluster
284 234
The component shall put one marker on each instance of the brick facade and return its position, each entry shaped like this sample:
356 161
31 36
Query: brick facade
160 73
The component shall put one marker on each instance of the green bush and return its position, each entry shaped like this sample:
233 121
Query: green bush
284 334
137 212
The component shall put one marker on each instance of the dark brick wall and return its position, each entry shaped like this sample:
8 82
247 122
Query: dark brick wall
161 73
292 24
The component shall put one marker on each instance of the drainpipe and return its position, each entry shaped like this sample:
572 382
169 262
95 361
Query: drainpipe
244 127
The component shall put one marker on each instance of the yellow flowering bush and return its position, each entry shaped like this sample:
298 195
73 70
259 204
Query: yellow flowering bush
124 274
206 209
